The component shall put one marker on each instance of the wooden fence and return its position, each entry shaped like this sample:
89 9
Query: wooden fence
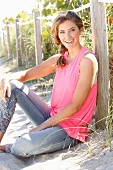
100 48
37 35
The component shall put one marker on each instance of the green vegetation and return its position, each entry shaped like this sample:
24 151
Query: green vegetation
49 8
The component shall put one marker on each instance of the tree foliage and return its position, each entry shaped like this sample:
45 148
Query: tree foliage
52 6
109 9
27 44
49 8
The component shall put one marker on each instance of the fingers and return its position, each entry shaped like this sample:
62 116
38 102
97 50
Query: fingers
2 148
5 89
34 129
9 90
2 94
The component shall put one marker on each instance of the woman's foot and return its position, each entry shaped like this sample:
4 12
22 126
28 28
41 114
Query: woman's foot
2 148
1 135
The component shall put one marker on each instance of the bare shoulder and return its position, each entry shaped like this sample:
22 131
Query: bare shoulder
90 60
91 57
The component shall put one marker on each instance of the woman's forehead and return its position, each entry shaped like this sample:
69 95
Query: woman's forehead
67 25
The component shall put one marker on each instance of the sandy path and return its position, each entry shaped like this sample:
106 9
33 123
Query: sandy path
92 155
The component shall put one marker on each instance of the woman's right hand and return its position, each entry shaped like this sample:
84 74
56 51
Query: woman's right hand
5 88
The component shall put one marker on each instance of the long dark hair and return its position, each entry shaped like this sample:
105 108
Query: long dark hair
62 17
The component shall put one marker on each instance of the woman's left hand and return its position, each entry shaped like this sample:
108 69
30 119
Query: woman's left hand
34 129
37 128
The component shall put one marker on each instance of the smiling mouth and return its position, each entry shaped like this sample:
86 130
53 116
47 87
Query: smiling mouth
69 41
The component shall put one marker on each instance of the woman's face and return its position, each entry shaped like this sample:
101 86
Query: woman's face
69 33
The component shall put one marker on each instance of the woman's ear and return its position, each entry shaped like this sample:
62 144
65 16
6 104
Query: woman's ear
81 30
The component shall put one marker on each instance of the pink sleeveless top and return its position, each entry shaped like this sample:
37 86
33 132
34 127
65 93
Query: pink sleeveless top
63 89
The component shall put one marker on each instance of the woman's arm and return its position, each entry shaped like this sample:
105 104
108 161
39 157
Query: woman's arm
45 68
88 71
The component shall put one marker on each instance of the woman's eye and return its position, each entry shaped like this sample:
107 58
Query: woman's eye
61 32
73 29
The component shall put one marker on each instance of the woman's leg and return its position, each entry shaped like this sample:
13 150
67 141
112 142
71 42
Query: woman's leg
36 109
45 141
6 113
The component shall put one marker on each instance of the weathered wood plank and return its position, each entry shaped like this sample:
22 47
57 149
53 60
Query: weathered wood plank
18 47
38 37
8 40
3 39
100 47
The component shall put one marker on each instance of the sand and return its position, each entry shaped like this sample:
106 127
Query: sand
94 154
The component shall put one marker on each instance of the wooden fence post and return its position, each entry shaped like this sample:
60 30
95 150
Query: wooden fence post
3 38
100 47
8 40
1 45
38 38
18 46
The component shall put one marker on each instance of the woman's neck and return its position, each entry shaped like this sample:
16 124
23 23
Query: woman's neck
74 52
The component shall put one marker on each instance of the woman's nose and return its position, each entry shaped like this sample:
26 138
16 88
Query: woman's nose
68 35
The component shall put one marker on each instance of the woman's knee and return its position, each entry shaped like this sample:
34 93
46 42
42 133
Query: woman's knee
16 84
23 146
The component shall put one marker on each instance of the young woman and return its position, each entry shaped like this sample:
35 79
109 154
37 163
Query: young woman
65 122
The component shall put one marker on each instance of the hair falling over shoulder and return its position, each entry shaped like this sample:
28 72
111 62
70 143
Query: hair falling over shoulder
62 61
62 17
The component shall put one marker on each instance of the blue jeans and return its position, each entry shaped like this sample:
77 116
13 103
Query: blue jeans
32 143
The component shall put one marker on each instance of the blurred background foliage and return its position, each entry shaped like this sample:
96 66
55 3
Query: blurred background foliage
49 8
27 44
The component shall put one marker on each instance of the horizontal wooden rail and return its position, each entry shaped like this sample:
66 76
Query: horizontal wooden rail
106 1
75 10
25 23
50 17
21 23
